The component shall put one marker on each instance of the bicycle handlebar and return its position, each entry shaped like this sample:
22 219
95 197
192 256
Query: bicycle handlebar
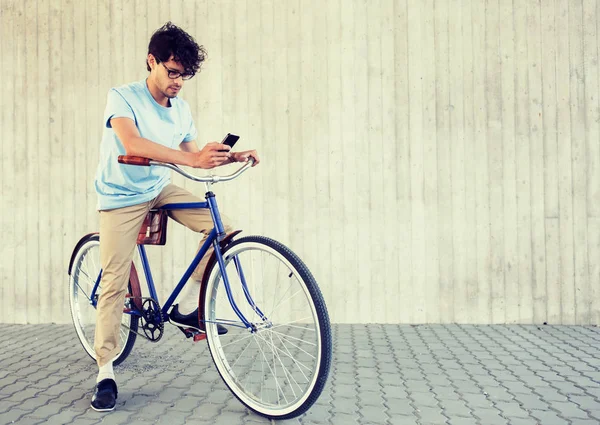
138 160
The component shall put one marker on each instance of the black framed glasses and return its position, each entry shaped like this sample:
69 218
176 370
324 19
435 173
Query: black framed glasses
173 74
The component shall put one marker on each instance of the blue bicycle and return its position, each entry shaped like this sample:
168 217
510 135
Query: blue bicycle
276 355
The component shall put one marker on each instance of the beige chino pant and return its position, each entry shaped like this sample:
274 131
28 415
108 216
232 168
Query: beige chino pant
119 229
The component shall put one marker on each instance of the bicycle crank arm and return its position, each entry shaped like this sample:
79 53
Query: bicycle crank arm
123 325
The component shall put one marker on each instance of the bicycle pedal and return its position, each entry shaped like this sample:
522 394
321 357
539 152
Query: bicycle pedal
191 333
199 337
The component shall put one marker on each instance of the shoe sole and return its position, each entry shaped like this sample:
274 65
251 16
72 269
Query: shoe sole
103 410
184 326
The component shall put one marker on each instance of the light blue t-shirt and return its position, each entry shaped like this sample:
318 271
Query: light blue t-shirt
120 185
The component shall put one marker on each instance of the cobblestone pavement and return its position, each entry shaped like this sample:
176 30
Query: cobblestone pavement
382 374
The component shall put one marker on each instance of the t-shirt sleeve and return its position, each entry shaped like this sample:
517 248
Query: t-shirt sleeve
117 107
192 133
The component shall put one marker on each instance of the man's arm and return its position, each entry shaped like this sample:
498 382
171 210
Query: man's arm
189 146
136 145
235 156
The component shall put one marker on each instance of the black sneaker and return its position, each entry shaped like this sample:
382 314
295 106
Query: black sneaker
190 321
105 397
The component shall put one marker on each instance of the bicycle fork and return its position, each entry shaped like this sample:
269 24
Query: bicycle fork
238 266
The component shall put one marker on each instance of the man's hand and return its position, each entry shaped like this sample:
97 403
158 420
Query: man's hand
210 156
244 156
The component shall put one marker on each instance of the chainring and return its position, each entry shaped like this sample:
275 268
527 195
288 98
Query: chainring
152 322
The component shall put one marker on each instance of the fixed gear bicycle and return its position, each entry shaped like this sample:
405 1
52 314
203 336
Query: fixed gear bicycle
276 355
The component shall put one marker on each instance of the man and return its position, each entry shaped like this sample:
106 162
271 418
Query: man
147 119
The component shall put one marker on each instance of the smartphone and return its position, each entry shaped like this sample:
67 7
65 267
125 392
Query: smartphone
229 140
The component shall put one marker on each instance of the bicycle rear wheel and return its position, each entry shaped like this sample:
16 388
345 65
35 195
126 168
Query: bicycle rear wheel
86 270
280 368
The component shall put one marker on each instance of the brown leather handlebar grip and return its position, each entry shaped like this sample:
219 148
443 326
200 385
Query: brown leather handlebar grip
134 160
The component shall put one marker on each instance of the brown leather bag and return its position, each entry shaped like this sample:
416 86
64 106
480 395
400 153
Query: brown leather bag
154 228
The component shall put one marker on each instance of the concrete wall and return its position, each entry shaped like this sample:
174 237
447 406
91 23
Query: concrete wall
430 161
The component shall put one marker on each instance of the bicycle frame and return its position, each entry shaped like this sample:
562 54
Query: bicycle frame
214 237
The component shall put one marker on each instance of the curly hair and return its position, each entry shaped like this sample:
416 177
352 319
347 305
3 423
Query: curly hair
170 40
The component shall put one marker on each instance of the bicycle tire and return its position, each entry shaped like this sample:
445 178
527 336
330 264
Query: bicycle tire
85 336
322 363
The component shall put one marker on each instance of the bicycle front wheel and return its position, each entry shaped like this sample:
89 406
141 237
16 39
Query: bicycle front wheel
85 272
279 367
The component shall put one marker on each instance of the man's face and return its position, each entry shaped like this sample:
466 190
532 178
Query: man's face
162 74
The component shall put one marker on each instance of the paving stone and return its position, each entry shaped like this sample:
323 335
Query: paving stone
47 410
569 410
400 407
173 417
7 405
345 418
345 390
218 397
524 421
432 416
316 416
118 417
373 383
464 421
568 389
511 409
417 386
444 394
497 394
171 394
477 400
516 387
532 402
30 420
421 399
370 398
206 410
64 417
73 395
454 408
33 403
14 387
186 404
372 414
548 417
345 405
489 416
13 415
345 378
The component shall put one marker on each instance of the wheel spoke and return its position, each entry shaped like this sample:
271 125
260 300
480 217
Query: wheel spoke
294 360
285 371
236 360
278 387
92 281
291 343
276 287
279 301
81 289
292 337
292 326
291 357
289 298
235 341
